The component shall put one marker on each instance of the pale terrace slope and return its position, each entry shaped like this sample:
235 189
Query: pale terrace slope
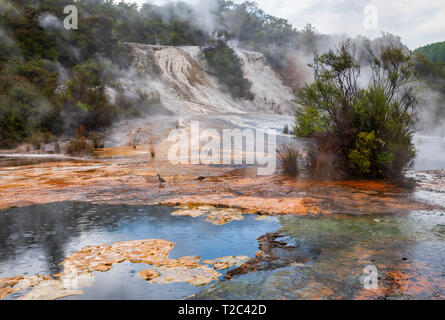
180 76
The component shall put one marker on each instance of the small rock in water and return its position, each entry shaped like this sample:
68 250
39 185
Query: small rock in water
149 274
224 263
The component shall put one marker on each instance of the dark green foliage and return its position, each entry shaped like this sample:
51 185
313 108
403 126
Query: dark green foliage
36 97
86 98
435 52
365 132
227 67
23 108
139 105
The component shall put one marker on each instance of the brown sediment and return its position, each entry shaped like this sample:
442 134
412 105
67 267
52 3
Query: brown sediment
125 175
413 280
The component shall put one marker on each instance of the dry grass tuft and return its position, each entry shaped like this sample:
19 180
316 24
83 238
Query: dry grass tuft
288 158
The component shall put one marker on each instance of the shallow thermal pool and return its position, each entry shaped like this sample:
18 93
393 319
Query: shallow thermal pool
35 240
406 249
332 251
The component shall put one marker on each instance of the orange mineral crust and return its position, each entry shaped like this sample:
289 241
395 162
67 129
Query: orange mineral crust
123 175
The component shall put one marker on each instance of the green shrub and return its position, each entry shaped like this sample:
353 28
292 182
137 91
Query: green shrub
365 147
308 121
369 130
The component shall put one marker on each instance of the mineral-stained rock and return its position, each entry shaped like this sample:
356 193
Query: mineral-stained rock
78 268
102 258
189 212
185 269
217 216
9 282
197 276
190 262
19 283
80 265
5 292
149 274
46 288
151 251
223 216
224 263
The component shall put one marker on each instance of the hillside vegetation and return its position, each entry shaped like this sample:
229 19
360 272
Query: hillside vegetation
432 76
54 81
435 52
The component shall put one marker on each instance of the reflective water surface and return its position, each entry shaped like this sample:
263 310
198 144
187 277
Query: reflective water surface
407 249
35 240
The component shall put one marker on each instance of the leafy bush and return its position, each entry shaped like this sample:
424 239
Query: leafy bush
360 156
368 131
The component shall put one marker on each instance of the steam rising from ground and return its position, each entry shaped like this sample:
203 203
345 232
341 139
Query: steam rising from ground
49 21
188 87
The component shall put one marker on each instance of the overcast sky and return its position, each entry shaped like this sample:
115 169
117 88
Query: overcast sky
418 22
